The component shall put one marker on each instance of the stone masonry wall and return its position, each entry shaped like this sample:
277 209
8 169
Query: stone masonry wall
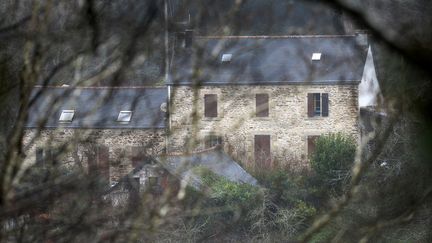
76 143
287 124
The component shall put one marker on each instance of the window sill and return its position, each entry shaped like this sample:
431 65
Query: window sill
316 118
267 118
211 118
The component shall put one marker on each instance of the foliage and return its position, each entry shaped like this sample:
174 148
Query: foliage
333 156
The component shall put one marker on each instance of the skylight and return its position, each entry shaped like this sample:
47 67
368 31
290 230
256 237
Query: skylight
124 116
67 116
226 57
316 56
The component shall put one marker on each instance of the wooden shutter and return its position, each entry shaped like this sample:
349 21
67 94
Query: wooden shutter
262 105
50 157
262 151
325 111
310 105
210 105
103 162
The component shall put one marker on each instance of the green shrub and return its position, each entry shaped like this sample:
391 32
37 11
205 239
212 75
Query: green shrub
232 200
333 157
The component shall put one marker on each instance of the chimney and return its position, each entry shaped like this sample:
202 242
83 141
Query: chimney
188 38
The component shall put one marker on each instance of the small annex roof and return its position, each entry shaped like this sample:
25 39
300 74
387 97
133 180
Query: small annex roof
270 60
97 107
186 167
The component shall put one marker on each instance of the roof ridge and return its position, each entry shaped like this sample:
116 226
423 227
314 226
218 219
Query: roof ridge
101 87
271 36
214 148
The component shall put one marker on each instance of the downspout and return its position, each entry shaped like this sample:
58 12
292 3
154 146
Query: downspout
167 75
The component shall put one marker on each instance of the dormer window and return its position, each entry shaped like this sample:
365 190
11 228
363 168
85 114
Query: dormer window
124 116
67 116
316 56
226 58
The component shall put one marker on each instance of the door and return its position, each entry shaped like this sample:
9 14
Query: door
262 151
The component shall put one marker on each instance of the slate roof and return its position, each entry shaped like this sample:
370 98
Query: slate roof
216 160
270 60
183 167
98 107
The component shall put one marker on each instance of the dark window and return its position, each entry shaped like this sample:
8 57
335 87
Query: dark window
262 105
317 104
212 140
311 140
210 105
138 155
262 151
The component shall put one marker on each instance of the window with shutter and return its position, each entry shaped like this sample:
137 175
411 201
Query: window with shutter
318 104
210 105
262 105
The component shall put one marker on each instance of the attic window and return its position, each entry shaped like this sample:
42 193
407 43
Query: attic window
124 116
67 116
316 56
226 57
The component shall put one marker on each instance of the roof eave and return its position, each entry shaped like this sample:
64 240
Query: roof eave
215 83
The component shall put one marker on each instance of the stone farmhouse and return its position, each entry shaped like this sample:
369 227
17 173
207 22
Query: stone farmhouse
108 131
263 99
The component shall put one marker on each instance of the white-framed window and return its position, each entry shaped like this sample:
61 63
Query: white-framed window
318 104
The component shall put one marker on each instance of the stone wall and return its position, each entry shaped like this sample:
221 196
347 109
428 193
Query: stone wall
287 124
76 144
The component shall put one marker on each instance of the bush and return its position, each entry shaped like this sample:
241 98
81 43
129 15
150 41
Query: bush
226 202
333 158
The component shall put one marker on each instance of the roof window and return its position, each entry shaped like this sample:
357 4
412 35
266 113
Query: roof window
124 116
226 57
316 56
67 116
